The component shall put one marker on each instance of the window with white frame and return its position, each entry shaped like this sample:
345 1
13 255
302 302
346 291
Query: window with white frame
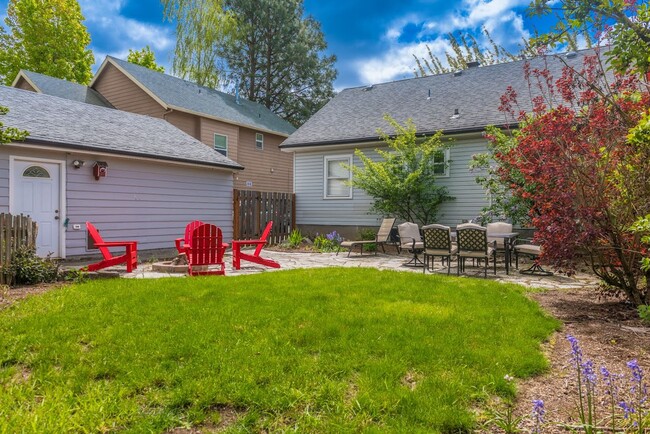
337 177
259 141
440 163
221 144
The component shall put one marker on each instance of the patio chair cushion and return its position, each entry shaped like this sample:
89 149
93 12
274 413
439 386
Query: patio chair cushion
498 228
477 254
528 249
442 252
356 243
418 245
407 233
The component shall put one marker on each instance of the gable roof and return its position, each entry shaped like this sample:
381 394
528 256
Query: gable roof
465 101
66 124
61 88
178 94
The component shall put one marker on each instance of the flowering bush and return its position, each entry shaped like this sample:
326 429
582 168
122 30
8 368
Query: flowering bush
328 242
581 161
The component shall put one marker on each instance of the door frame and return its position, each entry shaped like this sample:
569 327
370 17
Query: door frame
62 195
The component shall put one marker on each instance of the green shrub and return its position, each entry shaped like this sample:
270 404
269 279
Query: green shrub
322 244
644 313
28 269
369 235
295 238
73 275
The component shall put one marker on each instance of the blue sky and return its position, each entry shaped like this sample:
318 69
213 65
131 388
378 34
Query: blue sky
374 40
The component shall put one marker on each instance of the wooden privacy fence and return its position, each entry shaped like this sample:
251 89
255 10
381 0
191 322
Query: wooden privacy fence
15 231
253 209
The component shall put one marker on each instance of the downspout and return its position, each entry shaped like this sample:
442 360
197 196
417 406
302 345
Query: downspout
168 111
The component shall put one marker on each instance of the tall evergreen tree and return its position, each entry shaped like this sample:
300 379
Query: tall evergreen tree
45 36
273 54
276 58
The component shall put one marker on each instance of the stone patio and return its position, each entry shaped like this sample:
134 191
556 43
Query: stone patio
294 260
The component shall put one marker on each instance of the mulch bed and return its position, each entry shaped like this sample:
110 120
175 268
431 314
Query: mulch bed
610 333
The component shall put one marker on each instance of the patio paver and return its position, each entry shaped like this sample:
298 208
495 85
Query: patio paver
294 260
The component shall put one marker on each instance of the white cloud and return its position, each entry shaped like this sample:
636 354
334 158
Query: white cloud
398 62
499 17
121 33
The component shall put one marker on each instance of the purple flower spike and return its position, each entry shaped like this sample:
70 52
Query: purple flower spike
538 415
588 372
626 408
610 380
637 372
576 352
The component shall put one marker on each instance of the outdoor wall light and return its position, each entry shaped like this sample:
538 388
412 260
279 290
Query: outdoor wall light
77 164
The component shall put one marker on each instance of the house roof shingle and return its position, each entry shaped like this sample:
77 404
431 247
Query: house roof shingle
68 124
65 89
185 95
355 114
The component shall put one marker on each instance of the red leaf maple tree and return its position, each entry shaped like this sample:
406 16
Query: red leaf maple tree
589 182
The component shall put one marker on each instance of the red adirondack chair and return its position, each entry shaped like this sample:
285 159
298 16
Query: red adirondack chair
130 256
183 244
206 249
238 255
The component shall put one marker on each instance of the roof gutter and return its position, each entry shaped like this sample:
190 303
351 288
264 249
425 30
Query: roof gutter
447 132
91 149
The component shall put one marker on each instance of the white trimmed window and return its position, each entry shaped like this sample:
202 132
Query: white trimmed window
440 163
221 144
259 141
336 177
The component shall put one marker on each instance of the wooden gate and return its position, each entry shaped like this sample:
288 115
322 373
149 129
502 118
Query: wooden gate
254 209
15 231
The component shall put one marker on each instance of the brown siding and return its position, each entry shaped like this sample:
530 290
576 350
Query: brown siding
209 127
190 124
270 169
23 84
124 94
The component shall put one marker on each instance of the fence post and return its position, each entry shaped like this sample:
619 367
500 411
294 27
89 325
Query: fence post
293 211
235 219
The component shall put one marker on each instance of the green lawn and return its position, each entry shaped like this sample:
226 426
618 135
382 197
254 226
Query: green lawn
321 350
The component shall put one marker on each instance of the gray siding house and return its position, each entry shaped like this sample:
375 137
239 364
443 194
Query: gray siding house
158 178
460 104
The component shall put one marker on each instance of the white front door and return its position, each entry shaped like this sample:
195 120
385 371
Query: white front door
37 194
